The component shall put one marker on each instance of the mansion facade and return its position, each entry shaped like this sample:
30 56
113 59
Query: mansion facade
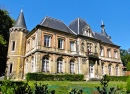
52 47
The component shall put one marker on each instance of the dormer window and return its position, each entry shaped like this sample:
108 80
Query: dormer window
87 31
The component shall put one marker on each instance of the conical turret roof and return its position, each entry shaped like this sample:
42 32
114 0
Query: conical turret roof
20 22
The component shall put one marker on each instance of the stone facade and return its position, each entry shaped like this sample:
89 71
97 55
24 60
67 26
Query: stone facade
53 47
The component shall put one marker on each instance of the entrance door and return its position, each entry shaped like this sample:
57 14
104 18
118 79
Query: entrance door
91 70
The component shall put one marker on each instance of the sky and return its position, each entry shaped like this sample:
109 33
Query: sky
114 13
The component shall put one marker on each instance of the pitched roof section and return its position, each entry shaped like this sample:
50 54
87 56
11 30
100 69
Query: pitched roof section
102 37
20 22
55 24
77 25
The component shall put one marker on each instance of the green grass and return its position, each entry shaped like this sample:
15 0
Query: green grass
63 87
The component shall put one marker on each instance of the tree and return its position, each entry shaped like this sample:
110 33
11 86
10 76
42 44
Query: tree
6 22
125 57
128 66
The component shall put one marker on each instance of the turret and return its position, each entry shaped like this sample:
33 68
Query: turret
16 49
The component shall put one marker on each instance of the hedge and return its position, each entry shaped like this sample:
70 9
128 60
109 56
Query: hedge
118 78
54 77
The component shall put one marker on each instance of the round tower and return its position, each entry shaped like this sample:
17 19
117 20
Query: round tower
16 49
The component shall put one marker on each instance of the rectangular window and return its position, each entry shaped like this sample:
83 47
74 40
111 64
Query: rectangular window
10 68
33 42
13 45
109 52
72 46
115 54
102 51
47 41
60 43
28 45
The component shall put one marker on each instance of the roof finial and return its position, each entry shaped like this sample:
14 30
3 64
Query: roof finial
103 29
102 22
22 9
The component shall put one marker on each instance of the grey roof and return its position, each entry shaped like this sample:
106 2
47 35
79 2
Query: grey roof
103 30
55 24
104 33
102 37
77 25
20 22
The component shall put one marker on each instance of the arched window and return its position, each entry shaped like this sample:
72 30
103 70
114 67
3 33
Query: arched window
109 69
45 64
72 66
59 65
103 69
82 47
102 51
117 70
33 64
26 66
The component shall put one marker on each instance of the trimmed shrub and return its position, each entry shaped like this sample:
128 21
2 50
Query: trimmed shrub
54 77
118 78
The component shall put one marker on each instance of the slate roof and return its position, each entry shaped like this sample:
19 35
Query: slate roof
20 22
55 24
102 37
77 25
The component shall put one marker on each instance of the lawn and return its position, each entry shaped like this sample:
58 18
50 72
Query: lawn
88 87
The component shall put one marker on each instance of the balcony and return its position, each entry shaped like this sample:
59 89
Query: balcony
92 55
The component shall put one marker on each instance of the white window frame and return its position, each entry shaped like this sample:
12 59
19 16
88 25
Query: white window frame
72 46
47 41
109 52
60 43
45 64
115 54
59 65
102 51
72 67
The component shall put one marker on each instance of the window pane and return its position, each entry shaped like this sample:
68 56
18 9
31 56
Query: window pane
10 71
59 66
72 46
60 43
47 41
13 45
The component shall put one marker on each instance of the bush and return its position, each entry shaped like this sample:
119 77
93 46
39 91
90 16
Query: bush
14 87
118 78
128 85
54 77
